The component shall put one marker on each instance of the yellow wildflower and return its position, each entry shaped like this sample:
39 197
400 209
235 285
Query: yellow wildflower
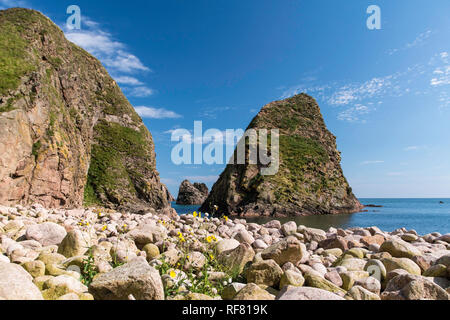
226 218
173 275
104 228
195 214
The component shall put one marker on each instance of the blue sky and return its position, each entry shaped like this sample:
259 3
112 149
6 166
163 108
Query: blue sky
384 93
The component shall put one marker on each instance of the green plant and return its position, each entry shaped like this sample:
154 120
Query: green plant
51 126
8 107
194 280
35 150
14 58
115 263
88 270
56 62
116 149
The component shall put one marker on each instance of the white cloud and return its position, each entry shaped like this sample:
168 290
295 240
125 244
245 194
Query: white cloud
442 72
358 91
212 112
444 99
414 148
418 41
128 80
125 62
350 95
220 136
372 162
354 114
359 98
141 92
171 130
156 113
5 4
112 53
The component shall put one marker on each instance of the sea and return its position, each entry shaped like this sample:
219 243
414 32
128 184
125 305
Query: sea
422 215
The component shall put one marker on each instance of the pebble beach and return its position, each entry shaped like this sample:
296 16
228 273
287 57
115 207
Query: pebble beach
101 254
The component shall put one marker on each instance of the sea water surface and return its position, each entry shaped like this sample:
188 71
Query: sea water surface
423 215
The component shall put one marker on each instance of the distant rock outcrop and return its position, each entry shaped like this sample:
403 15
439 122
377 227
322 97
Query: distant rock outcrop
192 194
69 136
310 179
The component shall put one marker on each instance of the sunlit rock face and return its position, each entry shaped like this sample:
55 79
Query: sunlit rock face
310 179
69 136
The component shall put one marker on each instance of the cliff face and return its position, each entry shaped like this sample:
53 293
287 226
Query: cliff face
310 179
69 136
192 194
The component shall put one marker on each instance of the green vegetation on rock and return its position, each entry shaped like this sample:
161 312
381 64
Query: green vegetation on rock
14 60
35 150
88 138
309 180
108 174
299 152
8 107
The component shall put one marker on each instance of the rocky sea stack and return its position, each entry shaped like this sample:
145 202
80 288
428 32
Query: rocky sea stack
69 136
310 179
192 194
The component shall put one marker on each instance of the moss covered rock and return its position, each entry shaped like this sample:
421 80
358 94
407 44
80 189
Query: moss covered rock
253 292
309 180
69 134
315 281
401 263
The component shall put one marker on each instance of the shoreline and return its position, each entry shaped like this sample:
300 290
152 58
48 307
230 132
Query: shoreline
81 254
423 215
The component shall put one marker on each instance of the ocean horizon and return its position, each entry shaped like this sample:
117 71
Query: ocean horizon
424 215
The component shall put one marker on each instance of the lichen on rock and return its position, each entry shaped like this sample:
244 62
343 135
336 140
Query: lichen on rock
310 179
71 138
